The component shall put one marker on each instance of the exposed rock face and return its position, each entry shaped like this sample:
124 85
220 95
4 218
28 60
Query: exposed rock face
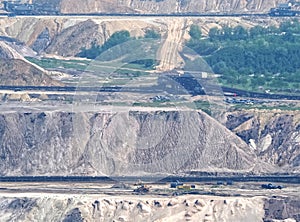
74 38
166 6
17 72
62 143
42 41
273 135
6 52
27 30
282 208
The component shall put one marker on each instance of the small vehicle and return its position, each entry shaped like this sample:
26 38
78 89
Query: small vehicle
142 189
270 186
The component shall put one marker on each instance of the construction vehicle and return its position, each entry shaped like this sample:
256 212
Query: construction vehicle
141 187
270 186
175 184
186 187
181 186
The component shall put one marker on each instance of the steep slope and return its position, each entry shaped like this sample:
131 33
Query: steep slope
67 36
275 136
7 52
62 143
74 38
13 46
16 70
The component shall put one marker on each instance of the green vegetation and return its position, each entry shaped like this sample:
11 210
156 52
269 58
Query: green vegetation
257 59
115 39
195 32
122 38
50 63
151 34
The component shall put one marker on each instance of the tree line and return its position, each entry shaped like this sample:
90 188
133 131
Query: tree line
257 58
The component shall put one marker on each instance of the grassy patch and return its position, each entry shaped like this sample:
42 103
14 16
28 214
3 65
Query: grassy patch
50 63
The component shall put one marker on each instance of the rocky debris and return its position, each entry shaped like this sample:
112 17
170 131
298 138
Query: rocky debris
56 143
57 208
274 135
201 204
143 208
24 204
42 42
74 216
282 208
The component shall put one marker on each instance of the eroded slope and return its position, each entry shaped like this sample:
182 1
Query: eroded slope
273 135
61 143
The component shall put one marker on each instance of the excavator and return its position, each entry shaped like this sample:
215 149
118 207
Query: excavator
141 187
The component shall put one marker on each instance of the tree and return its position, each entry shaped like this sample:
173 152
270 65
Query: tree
195 32
214 34
90 53
220 67
227 32
240 32
95 50
151 34
257 31
116 38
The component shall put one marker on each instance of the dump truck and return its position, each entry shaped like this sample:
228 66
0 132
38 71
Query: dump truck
182 186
